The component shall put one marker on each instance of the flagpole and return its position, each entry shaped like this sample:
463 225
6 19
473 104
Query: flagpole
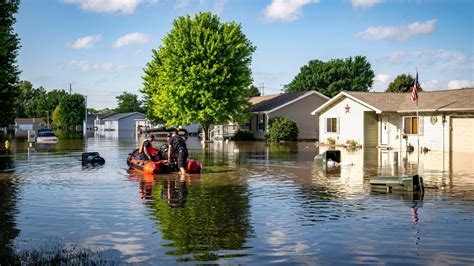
418 121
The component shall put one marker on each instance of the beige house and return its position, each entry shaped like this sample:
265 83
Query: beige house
296 106
388 120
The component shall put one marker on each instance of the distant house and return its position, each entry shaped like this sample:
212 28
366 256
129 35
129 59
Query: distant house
388 120
118 124
296 106
22 125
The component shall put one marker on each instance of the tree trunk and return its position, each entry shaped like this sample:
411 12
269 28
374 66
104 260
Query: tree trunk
205 132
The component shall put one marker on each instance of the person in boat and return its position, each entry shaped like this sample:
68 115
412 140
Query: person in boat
178 151
146 148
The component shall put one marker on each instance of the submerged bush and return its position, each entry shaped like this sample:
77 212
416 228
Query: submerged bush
243 135
281 128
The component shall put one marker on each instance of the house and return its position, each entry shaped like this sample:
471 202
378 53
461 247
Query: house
22 125
389 120
296 106
118 124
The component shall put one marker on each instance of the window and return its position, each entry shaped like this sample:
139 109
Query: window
410 125
261 122
331 125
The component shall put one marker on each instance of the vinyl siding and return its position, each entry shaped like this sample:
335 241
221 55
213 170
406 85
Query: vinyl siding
351 124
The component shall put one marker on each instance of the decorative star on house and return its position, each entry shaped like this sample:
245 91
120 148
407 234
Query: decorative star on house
347 108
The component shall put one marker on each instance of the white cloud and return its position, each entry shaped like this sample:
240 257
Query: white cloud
85 42
131 38
181 4
400 33
365 3
125 6
458 84
445 58
86 66
381 82
285 10
219 6
396 57
433 85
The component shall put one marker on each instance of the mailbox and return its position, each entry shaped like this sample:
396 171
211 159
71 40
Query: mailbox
31 136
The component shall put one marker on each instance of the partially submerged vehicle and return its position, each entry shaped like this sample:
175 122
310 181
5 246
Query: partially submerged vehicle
46 136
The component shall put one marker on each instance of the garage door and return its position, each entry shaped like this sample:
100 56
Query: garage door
462 134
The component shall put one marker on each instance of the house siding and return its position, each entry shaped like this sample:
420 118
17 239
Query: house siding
300 112
348 122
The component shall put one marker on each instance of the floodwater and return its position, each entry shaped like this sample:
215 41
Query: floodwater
254 203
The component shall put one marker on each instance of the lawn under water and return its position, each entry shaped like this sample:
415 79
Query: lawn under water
254 203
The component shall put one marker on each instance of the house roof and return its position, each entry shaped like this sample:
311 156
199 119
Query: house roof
29 120
428 101
281 100
259 99
118 116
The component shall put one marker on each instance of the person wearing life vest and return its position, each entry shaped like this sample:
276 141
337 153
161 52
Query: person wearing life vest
146 148
177 149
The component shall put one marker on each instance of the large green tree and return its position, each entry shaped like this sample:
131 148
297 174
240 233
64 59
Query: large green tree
253 91
45 103
9 44
70 111
330 78
402 83
26 98
128 102
200 74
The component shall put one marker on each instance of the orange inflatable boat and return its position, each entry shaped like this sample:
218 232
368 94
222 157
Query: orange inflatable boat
159 166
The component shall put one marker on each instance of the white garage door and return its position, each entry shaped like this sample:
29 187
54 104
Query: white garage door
462 135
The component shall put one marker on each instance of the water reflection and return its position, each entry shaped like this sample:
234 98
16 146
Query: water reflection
201 219
9 193
254 203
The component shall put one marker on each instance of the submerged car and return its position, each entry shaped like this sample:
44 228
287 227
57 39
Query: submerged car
46 137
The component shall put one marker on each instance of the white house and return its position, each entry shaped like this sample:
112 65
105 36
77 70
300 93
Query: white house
388 120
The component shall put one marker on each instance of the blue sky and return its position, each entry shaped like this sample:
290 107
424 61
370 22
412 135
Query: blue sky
102 46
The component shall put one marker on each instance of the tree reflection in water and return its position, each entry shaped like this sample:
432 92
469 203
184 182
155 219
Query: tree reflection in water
201 219
8 210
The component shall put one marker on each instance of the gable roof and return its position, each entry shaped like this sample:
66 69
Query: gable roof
29 120
259 99
282 100
118 116
428 101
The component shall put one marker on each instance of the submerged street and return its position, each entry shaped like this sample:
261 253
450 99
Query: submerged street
254 203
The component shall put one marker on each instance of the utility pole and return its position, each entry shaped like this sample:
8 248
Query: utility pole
85 116
261 88
70 88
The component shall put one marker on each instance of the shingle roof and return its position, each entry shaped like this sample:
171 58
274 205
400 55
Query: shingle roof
460 99
258 99
118 116
276 101
29 120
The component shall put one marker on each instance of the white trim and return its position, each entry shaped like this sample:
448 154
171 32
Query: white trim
299 98
340 95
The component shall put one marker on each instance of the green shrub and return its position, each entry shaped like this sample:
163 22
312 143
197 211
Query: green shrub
351 142
280 128
243 135
331 141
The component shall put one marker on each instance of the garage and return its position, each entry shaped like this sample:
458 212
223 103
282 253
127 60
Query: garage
462 144
462 134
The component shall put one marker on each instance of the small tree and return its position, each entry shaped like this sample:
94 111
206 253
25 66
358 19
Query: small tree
402 83
281 128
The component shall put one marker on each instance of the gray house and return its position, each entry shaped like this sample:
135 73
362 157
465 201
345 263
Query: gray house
296 106
118 124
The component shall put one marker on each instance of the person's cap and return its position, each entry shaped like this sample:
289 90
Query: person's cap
168 134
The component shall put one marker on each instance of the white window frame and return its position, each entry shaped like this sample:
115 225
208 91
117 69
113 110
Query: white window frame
327 119
419 125
261 122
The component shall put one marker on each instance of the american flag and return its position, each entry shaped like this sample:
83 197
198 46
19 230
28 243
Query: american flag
414 92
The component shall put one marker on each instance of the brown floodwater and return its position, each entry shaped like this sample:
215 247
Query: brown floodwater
254 203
